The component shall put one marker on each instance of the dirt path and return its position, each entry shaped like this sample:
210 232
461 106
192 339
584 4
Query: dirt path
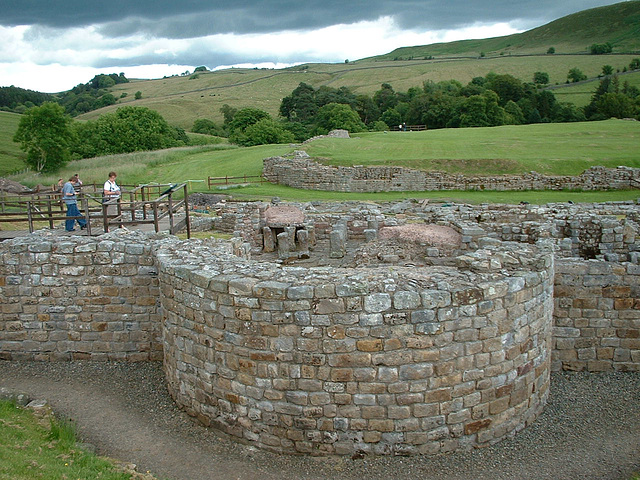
589 430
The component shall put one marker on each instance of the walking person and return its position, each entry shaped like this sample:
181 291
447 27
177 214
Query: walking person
71 200
110 195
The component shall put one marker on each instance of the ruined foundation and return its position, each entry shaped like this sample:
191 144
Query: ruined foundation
366 333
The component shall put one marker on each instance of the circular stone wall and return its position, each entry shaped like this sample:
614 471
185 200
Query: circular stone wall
339 361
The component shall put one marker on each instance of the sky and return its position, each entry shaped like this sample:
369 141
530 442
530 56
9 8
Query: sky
53 45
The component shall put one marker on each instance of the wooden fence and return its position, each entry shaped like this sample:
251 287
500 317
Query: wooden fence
158 206
408 128
214 181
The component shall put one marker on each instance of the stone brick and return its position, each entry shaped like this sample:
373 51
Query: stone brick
369 345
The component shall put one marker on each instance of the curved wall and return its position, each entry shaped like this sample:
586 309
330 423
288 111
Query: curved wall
382 360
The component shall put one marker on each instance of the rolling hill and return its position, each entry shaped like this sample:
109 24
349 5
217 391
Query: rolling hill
183 99
617 24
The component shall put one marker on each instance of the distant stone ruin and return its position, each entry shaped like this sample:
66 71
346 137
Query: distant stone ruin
305 173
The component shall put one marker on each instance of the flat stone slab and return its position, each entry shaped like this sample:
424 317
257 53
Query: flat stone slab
280 215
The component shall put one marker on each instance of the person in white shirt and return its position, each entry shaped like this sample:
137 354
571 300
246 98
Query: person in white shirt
111 193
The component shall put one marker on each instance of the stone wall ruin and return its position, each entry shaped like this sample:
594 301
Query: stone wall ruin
449 348
300 171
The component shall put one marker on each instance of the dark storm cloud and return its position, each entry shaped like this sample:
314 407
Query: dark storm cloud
193 18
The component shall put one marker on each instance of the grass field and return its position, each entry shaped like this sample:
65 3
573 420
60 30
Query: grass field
11 157
553 149
580 94
561 149
33 449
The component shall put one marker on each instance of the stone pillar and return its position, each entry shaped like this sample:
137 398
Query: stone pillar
337 244
269 240
303 243
370 235
311 229
291 235
283 245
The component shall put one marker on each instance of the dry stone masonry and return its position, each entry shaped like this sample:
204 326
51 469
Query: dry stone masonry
300 171
398 328
76 298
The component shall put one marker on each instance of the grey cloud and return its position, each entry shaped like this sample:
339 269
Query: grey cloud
193 18
195 57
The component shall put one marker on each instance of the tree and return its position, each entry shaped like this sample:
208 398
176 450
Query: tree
266 132
391 117
607 70
301 105
482 111
473 112
541 78
138 95
551 50
576 75
44 133
128 129
385 98
601 48
245 117
506 86
228 112
339 115
635 64
514 113
616 105
207 127
367 109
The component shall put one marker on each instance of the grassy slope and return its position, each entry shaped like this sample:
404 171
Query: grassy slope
546 148
560 149
617 24
580 94
11 157
181 100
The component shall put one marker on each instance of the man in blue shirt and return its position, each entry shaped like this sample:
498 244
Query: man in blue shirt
69 197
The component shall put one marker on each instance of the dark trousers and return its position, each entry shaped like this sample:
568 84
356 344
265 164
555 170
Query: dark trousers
72 211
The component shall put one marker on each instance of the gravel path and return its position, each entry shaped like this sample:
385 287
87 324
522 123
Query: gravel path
590 429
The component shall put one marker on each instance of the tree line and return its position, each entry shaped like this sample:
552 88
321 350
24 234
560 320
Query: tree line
82 98
51 138
492 100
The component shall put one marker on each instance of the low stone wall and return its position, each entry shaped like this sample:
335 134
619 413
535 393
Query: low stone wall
77 298
597 316
310 175
339 361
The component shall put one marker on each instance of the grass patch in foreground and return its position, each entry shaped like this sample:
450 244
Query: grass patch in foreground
32 448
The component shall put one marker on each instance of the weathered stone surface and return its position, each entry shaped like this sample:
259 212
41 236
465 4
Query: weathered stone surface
405 359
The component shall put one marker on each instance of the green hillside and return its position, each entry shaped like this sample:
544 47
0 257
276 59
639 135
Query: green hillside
183 99
617 24
11 157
